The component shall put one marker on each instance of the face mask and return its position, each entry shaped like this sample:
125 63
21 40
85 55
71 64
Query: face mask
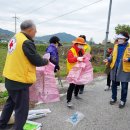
120 41
80 46
56 45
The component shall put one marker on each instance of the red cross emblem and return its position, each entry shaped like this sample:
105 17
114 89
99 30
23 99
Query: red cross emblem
12 45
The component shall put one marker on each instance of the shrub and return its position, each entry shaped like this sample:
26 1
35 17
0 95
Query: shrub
1 79
3 94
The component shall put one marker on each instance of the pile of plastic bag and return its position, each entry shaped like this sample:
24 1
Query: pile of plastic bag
34 114
45 89
82 72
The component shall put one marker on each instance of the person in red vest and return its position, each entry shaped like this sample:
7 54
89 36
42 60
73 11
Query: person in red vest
87 49
74 55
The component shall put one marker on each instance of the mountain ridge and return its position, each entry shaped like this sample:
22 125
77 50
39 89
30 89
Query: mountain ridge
64 37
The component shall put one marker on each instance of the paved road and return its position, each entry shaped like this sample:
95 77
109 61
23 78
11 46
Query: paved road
99 115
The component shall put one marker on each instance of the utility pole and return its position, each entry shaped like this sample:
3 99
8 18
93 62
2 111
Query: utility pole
107 30
15 20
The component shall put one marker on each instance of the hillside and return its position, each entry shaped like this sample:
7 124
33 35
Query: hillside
64 37
5 34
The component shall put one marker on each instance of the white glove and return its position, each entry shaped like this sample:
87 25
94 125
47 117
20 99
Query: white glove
105 60
80 58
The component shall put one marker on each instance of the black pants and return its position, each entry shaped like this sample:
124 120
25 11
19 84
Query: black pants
81 88
108 80
18 101
72 87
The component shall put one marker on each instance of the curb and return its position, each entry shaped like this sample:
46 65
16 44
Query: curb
65 84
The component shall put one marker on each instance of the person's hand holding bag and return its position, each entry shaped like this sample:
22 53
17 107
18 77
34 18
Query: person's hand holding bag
80 59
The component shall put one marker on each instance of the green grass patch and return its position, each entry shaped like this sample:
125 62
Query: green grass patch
2 79
99 69
3 98
3 52
3 94
41 48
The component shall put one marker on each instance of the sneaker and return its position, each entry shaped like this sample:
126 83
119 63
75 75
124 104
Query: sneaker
69 104
77 97
118 87
112 102
81 92
107 88
122 104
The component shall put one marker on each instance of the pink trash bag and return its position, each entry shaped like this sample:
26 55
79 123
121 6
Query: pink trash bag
51 93
45 89
37 89
82 72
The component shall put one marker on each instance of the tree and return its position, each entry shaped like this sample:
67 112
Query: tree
119 28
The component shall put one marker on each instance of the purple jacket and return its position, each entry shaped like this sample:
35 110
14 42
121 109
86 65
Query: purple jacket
54 56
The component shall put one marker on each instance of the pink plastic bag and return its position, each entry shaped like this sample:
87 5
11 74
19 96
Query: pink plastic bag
51 93
82 72
35 91
46 55
45 89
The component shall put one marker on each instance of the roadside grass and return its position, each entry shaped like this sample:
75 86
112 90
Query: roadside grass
3 98
98 66
99 69
3 52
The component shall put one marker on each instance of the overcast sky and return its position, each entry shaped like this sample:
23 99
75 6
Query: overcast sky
53 16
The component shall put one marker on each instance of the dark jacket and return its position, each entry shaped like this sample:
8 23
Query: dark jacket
30 52
54 56
108 69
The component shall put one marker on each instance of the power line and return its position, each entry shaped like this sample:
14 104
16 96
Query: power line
52 1
71 11
31 6
20 21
